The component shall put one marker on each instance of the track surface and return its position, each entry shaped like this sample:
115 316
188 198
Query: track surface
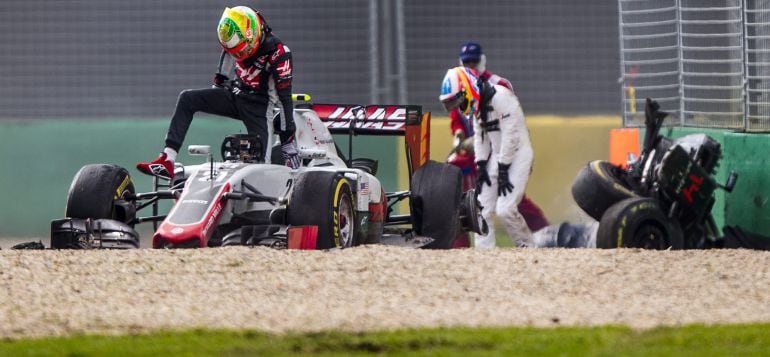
45 293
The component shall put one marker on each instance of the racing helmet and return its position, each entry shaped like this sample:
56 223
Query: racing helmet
460 90
240 31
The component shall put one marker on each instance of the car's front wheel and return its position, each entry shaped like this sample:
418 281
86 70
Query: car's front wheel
99 191
324 199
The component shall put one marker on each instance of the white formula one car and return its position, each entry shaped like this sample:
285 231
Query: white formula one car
329 202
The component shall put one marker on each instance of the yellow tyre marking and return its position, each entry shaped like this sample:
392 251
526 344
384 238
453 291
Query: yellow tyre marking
336 204
122 187
638 207
618 187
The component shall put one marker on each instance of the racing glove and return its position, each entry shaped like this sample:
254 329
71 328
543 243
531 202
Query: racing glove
220 79
290 154
483 175
504 185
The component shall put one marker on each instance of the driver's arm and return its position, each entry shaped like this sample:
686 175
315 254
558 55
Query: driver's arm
511 119
481 145
281 71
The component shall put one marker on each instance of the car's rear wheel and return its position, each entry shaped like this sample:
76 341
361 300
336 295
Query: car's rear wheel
99 191
324 199
435 203
638 223
598 186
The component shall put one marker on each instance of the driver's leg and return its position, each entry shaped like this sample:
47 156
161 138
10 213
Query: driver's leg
507 206
488 200
216 101
210 100
252 111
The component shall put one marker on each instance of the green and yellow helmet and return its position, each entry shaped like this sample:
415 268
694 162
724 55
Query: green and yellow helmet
240 31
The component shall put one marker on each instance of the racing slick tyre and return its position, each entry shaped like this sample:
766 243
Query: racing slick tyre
638 223
98 191
435 203
598 186
324 199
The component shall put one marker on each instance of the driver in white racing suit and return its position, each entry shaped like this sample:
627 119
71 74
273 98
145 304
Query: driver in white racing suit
503 150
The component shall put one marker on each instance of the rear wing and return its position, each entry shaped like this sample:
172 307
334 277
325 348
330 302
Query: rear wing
390 120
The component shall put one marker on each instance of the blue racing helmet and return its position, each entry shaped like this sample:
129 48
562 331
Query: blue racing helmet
470 52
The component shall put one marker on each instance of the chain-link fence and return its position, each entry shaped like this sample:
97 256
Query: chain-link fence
111 58
705 61
650 57
757 34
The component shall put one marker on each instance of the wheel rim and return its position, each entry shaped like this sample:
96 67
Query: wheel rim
345 222
650 236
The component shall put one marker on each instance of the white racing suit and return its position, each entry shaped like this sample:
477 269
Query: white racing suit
504 139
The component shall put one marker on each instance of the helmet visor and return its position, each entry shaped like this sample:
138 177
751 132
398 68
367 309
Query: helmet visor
239 31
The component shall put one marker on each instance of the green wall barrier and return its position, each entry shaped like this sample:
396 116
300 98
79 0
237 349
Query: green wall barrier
40 158
747 206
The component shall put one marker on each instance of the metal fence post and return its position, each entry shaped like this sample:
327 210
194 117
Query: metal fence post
744 94
374 63
680 54
401 52
622 79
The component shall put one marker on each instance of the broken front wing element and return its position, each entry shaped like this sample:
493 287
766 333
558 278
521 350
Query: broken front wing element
78 233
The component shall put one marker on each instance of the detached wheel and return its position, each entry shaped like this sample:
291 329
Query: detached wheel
638 223
435 203
98 191
324 199
598 186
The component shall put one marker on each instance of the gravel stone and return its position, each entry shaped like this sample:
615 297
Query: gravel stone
55 293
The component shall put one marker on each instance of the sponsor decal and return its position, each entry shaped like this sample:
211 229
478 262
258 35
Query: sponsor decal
364 220
694 187
336 229
387 118
367 125
446 86
158 169
278 52
122 187
213 217
202 202
372 113
177 230
284 70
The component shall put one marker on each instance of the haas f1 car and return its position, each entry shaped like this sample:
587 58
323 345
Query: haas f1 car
330 201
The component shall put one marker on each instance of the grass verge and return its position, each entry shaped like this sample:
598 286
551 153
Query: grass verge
691 340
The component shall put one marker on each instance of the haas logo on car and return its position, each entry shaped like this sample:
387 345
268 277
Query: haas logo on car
386 118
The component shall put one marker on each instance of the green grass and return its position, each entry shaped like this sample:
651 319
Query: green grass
693 340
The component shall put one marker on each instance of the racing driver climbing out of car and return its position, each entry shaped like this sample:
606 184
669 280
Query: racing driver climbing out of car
263 67
503 150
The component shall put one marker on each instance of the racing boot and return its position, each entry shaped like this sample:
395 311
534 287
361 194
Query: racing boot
161 167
